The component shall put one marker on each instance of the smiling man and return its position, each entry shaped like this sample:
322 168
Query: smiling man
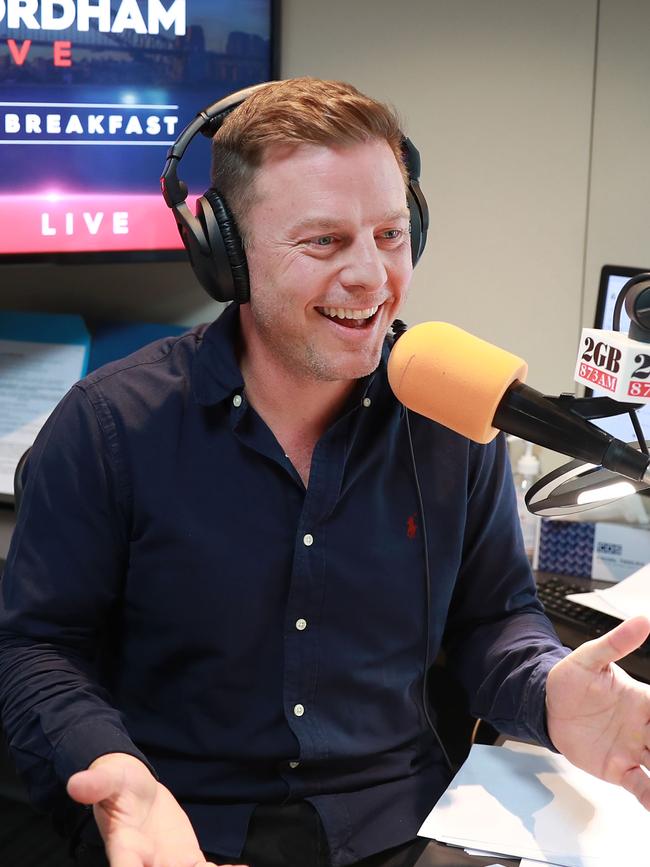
330 260
237 553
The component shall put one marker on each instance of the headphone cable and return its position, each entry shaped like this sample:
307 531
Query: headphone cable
425 697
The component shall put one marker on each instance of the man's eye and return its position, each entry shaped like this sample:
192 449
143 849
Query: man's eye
392 234
324 240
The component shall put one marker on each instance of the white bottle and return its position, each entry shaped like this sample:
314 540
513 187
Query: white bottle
526 473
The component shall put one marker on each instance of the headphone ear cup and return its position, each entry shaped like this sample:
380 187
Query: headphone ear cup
207 254
417 204
195 240
415 216
229 259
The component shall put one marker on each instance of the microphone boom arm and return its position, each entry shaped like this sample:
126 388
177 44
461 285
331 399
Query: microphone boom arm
559 423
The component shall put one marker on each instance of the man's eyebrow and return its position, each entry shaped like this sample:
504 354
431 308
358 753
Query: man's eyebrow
316 224
394 216
328 224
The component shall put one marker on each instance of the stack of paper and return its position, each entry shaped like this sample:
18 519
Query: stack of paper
41 356
629 597
524 801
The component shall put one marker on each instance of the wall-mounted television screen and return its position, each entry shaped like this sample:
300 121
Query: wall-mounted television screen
92 94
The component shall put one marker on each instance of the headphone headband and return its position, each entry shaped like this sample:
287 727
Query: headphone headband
211 237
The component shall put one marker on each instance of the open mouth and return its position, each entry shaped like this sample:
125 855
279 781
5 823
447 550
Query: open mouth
349 318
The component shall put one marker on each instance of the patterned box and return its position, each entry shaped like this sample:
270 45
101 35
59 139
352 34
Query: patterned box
565 547
601 550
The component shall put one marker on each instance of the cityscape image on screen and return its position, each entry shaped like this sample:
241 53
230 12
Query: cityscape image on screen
92 94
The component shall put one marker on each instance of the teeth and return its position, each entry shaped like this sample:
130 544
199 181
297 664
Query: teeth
344 313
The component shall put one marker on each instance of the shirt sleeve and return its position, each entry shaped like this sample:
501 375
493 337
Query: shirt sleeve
58 602
498 640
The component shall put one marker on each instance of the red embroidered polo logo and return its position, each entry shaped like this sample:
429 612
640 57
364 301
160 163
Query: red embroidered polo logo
411 527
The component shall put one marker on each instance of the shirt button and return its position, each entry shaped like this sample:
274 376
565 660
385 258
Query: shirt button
308 539
298 710
237 400
293 765
301 624
366 401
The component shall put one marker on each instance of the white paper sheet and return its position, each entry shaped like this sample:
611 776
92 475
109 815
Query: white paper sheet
629 597
527 862
527 802
33 379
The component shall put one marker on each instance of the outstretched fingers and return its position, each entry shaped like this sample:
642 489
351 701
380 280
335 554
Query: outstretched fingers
614 645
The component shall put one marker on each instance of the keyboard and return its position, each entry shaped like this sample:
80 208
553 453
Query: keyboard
552 592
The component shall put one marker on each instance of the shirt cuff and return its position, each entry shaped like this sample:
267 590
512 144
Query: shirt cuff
84 743
534 703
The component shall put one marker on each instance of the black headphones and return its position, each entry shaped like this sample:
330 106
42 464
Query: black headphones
211 237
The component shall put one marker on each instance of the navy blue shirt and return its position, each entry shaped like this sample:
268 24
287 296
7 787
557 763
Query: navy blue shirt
174 592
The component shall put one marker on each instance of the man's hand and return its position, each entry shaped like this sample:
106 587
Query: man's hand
141 823
598 716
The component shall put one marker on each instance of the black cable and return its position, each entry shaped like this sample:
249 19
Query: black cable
398 328
616 326
618 306
425 702
638 430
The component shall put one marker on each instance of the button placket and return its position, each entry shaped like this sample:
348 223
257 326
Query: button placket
303 605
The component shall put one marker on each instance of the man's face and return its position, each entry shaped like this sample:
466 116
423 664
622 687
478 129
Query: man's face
329 258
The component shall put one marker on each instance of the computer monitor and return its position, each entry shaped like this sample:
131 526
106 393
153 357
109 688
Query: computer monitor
557 493
92 95
612 280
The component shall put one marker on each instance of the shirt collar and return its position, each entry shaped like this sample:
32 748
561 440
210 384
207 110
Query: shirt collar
216 374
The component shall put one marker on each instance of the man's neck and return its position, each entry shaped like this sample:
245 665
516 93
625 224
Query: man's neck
297 409
304 403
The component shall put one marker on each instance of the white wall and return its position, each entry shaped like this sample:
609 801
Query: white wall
497 95
619 213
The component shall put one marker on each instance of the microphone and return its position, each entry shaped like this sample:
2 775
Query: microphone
477 389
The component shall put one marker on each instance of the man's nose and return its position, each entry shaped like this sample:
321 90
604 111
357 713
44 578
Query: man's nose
364 265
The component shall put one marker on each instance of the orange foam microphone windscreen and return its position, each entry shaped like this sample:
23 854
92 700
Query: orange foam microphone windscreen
453 377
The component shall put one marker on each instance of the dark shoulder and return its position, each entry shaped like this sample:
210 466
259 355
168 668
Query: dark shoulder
168 355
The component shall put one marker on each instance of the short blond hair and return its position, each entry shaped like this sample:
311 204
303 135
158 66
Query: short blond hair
292 112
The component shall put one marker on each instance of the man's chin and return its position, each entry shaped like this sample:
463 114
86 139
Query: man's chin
336 365
353 372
